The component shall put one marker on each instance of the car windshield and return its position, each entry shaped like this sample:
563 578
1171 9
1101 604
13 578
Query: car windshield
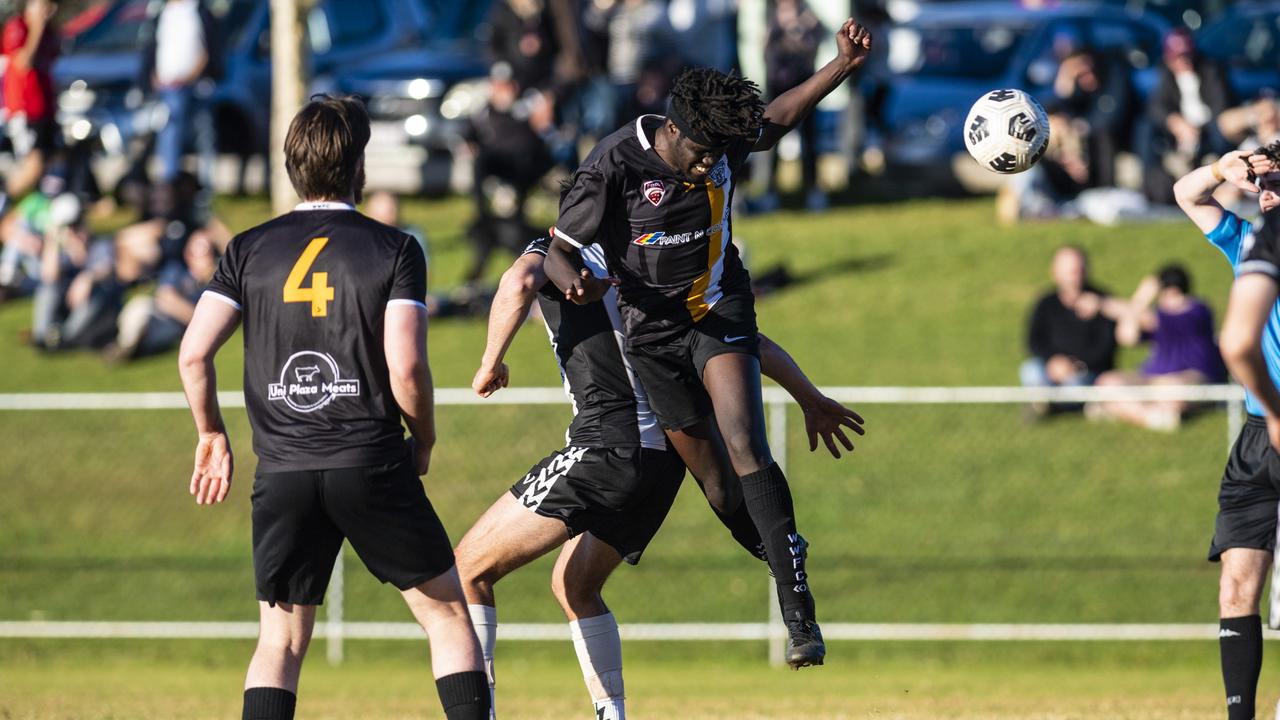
953 51
121 30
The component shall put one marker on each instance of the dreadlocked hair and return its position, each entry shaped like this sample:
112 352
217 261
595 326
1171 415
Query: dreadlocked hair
1271 151
717 104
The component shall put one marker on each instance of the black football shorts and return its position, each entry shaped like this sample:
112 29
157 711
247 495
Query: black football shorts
671 370
300 519
619 495
1249 498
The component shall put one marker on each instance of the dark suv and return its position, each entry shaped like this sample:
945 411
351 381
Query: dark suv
98 77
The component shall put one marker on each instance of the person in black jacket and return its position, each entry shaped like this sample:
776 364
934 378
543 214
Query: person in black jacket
1072 337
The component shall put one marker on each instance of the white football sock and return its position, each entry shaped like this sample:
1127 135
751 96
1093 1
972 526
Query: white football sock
485 620
599 649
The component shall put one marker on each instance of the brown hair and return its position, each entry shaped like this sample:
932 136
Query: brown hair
324 147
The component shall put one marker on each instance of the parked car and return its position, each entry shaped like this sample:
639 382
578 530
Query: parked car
100 98
1246 40
947 56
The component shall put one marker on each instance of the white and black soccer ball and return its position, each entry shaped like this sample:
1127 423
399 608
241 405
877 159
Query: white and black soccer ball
1007 131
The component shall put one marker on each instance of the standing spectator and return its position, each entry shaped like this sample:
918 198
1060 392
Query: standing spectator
175 61
638 31
523 35
506 138
30 44
1093 97
790 51
1184 352
1071 340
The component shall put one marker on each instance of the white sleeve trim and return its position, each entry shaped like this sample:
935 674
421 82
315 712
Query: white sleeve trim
221 298
561 234
406 301
1258 267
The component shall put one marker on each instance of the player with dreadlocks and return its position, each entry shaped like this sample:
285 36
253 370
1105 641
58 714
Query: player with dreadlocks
656 196
1244 537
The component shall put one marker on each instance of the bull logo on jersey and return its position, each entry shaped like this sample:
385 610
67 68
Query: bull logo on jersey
309 381
654 191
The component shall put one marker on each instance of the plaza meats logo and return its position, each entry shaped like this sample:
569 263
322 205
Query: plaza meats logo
309 381
654 191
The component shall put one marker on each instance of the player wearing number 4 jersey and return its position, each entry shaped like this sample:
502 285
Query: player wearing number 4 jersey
656 195
604 496
335 356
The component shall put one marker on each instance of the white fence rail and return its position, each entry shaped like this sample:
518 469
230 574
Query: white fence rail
335 629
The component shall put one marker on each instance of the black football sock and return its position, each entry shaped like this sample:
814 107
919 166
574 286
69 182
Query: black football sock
767 496
743 529
464 695
268 703
1240 641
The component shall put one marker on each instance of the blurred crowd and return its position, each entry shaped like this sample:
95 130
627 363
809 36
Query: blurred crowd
562 74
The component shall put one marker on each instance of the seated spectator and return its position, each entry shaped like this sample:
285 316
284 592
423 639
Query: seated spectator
510 158
1192 113
72 308
1184 352
153 324
1071 338
147 245
22 235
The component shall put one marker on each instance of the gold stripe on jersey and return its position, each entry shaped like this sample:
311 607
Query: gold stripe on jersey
697 300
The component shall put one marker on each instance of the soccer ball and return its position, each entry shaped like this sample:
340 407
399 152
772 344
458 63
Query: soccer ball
1006 131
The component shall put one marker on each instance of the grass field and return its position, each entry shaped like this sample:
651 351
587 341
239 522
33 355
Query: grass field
945 514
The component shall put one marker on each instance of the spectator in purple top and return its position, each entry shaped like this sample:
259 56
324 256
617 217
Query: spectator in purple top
1180 328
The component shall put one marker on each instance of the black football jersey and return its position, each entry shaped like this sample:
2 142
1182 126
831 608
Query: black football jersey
610 408
313 287
1260 249
668 240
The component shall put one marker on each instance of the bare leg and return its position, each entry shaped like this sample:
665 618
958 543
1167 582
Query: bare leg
578 578
581 570
284 632
508 536
1244 572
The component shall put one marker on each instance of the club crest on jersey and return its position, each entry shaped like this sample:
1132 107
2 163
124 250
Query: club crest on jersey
719 175
654 191
309 381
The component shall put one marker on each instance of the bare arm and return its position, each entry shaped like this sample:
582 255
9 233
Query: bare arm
794 105
579 285
516 293
823 417
1194 191
405 344
37 17
1252 297
213 322
1135 316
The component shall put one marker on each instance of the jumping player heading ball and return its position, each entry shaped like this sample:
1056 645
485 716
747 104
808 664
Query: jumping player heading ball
656 195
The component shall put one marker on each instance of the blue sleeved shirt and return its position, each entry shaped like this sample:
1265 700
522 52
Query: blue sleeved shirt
1229 237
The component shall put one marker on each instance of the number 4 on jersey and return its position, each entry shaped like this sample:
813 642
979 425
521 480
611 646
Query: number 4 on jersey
319 294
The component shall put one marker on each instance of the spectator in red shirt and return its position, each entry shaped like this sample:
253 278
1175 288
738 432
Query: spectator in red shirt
30 44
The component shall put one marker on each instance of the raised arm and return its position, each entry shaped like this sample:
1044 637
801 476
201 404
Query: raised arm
1194 191
823 417
405 344
788 109
564 267
213 322
516 293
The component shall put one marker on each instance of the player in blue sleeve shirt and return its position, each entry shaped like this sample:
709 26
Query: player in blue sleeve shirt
1244 537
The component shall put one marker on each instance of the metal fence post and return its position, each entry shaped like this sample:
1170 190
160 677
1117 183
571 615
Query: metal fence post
778 446
333 611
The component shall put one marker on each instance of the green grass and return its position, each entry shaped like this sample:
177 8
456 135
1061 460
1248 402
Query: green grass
944 514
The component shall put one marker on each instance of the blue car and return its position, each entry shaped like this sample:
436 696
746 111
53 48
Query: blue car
1246 40
100 98
942 60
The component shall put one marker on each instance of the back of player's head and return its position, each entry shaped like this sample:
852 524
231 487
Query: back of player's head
1174 275
712 108
324 148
